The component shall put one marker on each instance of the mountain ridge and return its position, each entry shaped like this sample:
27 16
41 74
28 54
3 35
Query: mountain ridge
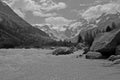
83 25
16 29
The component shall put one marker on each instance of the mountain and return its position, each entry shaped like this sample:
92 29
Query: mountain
65 33
80 27
89 29
104 23
53 33
16 32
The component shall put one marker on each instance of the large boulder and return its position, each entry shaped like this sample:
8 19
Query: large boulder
93 55
63 51
106 43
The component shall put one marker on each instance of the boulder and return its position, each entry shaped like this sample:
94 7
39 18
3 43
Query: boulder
62 51
116 62
113 63
117 50
106 43
114 57
93 55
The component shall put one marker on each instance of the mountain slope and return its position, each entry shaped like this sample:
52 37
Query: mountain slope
17 31
105 23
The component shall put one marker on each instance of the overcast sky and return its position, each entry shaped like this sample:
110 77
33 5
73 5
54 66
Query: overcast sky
61 12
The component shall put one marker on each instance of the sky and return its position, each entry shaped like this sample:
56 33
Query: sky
61 12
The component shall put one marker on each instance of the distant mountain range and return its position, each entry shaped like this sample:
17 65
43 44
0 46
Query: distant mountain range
71 31
14 31
68 31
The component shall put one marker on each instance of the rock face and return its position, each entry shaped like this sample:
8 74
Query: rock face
107 42
89 34
104 23
93 55
14 31
117 50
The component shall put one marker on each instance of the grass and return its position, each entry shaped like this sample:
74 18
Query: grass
34 64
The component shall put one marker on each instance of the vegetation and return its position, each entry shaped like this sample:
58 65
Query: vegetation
87 36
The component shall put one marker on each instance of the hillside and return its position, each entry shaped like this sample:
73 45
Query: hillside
17 31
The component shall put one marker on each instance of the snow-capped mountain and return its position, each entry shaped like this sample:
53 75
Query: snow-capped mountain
72 30
67 32
52 32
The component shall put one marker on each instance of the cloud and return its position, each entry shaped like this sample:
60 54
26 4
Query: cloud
42 8
37 13
54 6
58 22
96 11
93 3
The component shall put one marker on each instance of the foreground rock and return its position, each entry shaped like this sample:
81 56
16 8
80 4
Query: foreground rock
63 51
93 55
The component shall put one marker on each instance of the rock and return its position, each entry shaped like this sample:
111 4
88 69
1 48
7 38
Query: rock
52 48
93 55
78 53
106 43
115 62
80 46
62 51
117 50
114 57
83 47
86 49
